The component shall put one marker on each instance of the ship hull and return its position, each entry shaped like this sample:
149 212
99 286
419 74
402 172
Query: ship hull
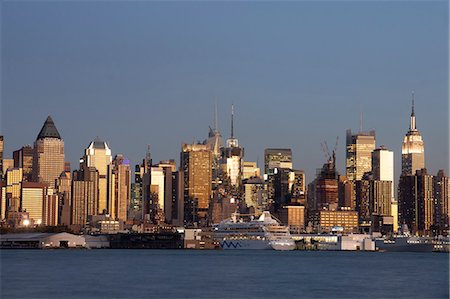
245 244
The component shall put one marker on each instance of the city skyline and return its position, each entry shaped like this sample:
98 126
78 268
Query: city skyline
288 93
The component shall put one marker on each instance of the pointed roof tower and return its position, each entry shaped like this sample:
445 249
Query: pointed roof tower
48 130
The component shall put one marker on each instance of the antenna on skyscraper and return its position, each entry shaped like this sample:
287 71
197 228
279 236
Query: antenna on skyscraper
148 158
360 121
148 154
232 120
412 95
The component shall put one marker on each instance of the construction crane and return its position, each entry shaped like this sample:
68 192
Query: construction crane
330 156
325 150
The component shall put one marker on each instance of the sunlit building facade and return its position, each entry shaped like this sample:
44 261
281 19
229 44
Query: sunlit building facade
383 171
84 194
196 165
250 169
121 178
48 158
32 200
98 155
326 221
413 153
233 156
359 153
23 158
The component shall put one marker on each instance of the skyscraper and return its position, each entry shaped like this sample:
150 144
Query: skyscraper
196 165
1 157
98 155
84 194
359 153
233 155
23 158
48 157
13 179
383 172
169 168
121 173
442 209
277 158
416 201
413 157
64 191
274 160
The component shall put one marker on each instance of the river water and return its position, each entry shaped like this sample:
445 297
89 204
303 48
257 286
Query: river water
222 274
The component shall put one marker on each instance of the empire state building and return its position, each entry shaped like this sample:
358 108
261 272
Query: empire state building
413 157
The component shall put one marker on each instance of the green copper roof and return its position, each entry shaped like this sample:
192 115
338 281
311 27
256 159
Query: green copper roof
48 130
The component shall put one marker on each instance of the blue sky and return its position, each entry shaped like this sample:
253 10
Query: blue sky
298 73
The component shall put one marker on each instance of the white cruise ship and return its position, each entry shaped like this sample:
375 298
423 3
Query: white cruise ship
262 233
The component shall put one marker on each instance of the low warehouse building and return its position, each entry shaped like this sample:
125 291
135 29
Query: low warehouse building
42 240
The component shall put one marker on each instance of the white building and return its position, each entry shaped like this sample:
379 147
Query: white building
383 170
157 184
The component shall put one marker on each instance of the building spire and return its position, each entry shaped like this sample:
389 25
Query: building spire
361 121
412 124
232 121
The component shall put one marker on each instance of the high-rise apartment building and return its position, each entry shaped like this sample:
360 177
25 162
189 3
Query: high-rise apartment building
359 154
48 157
98 155
413 156
23 158
196 165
